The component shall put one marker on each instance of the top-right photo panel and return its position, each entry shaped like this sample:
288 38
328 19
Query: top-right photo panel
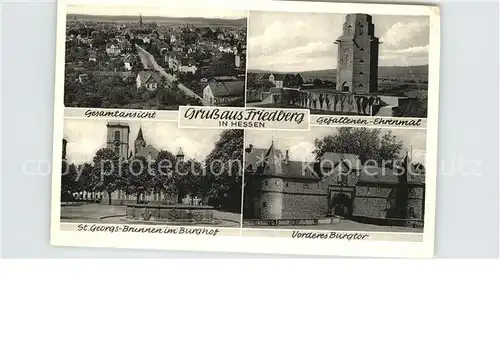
339 64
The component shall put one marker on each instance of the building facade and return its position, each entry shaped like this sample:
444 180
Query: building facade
277 188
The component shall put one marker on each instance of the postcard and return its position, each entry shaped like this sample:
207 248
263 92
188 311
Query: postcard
302 128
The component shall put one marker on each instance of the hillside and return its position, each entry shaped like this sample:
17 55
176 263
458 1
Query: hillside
196 21
408 72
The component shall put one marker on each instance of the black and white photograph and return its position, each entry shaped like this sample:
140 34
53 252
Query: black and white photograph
353 179
178 119
150 173
339 64
154 58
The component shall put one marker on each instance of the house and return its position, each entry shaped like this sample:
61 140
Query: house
144 37
173 62
92 56
148 79
226 49
275 78
223 93
187 66
83 78
127 62
113 49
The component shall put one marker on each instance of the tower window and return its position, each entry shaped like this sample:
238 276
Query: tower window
361 85
117 150
360 73
264 204
361 29
361 61
117 135
361 49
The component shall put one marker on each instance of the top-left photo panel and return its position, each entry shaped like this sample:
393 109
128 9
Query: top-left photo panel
154 58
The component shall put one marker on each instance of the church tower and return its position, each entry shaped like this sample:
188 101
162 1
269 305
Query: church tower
140 20
117 139
180 155
357 59
139 142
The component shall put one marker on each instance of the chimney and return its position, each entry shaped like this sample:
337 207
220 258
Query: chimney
287 159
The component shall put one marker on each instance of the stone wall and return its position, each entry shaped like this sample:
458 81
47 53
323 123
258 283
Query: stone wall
373 201
304 206
304 199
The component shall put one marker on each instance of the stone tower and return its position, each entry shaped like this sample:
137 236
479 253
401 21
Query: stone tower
139 142
117 139
271 186
357 60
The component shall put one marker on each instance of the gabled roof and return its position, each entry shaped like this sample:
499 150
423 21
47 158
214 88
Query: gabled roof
148 150
227 88
334 158
277 76
374 175
272 162
145 76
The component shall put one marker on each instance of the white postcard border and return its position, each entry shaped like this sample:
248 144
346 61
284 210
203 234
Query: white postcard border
246 244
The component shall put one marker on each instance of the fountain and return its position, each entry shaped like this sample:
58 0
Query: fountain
171 213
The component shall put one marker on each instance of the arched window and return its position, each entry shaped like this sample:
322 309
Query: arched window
360 73
361 29
117 135
361 85
361 49
361 61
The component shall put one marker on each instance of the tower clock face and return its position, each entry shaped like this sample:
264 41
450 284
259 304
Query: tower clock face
116 143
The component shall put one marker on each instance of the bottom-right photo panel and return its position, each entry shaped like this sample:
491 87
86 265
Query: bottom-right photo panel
345 179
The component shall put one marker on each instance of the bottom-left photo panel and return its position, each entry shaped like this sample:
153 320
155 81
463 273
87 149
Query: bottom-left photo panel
154 173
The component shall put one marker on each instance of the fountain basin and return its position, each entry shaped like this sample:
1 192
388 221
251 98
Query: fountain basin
177 213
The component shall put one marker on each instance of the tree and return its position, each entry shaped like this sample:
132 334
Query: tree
364 142
86 180
163 176
188 179
68 178
107 171
138 179
224 167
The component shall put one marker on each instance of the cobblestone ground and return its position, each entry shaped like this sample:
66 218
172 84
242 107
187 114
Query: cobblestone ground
116 214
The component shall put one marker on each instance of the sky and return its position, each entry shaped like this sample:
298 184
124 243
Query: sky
166 11
85 137
301 144
295 42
